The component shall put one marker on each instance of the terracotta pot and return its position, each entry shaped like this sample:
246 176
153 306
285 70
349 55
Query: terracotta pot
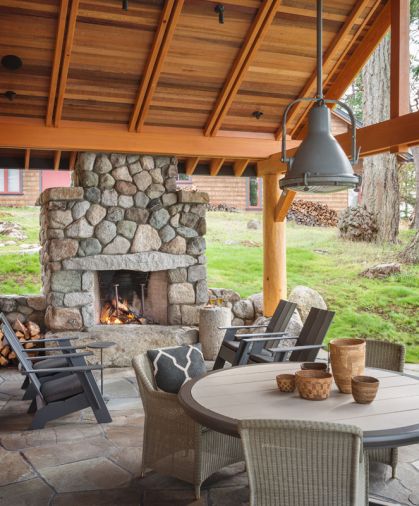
313 385
347 357
286 382
364 389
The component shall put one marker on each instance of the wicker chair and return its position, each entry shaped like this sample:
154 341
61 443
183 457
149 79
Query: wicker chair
390 356
295 463
173 443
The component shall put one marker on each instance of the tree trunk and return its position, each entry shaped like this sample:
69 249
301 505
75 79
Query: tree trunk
410 255
415 153
380 187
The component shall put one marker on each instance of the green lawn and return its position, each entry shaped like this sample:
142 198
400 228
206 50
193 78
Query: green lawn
385 309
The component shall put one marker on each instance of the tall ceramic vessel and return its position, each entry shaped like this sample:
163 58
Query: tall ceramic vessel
347 357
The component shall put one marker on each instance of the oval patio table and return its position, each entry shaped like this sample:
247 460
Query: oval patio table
222 398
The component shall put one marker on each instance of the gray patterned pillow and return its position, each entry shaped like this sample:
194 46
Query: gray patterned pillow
172 367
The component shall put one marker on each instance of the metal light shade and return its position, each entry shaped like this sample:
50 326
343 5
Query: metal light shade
320 164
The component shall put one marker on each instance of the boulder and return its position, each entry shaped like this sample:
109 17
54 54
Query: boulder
63 318
77 299
118 246
115 214
306 298
201 292
126 228
86 161
37 302
105 231
59 219
176 246
147 162
141 199
155 190
381 270
190 314
181 293
125 188
90 246
80 229
253 224
79 209
226 294
169 199
88 178
117 159
167 234
137 215
109 198
62 248
122 174
187 232
102 164
146 239
156 175
179 275
197 273
244 309
106 182
66 281
143 180
125 201
92 195
257 300
95 214
159 218
135 168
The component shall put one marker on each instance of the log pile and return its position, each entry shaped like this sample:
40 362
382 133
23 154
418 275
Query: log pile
225 208
312 214
121 313
358 224
29 331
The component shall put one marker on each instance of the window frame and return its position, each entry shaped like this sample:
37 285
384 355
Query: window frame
6 183
259 205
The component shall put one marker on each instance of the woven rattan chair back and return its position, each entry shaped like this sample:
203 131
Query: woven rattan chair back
390 356
295 463
385 355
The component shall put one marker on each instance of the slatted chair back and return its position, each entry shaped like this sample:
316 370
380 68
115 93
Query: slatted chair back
14 343
313 332
281 316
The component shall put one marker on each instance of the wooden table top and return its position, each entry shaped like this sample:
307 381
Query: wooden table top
223 397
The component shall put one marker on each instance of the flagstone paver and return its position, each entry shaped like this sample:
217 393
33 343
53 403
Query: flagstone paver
75 461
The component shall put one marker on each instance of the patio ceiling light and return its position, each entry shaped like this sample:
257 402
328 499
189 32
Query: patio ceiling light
320 165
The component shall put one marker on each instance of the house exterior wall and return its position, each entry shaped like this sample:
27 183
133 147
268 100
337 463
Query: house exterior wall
30 191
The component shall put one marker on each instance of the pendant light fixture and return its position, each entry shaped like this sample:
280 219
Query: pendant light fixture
320 165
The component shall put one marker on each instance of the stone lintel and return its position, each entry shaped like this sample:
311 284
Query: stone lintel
147 262
61 193
192 197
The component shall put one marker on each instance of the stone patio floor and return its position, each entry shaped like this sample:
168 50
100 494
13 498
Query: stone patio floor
74 461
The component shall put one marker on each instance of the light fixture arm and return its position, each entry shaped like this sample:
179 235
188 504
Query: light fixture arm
320 101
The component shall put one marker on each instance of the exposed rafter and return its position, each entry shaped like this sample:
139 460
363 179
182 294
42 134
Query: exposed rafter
57 159
240 166
27 159
191 164
339 46
215 166
361 54
247 53
69 38
72 160
56 64
159 50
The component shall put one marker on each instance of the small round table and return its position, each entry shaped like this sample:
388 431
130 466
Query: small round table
101 345
222 398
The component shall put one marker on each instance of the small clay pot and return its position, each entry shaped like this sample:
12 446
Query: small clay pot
364 388
313 366
286 382
313 385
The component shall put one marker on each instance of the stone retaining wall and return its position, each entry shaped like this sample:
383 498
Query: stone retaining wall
126 214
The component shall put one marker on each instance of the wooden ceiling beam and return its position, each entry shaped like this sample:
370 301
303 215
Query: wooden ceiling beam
159 50
338 46
72 160
191 164
69 38
215 166
56 64
27 159
79 136
361 54
240 166
254 39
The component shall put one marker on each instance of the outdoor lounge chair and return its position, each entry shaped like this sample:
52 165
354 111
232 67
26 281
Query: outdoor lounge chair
389 356
236 351
173 443
68 356
295 463
308 342
57 397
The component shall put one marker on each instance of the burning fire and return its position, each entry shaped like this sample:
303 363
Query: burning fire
118 313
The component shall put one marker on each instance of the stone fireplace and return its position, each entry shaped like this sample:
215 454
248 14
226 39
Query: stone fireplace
123 237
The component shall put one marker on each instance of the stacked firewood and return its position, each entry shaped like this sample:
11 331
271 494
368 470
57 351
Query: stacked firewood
29 331
121 313
312 214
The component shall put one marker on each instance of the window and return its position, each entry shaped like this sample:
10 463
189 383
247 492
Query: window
254 193
183 179
10 181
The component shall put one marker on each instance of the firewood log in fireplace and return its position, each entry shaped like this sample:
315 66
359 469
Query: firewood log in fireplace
29 331
121 313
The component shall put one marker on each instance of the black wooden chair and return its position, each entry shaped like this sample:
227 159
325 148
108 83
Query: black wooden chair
68 356
57 397
308 342
235 348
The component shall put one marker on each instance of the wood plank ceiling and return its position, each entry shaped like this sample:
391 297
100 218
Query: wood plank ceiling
167 66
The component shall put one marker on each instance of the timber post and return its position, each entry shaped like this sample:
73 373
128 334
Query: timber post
274 247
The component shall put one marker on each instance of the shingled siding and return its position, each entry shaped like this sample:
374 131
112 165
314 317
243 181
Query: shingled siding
30 191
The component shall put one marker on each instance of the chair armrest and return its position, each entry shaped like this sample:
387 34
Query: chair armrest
81 368
296 348
266 334
63 355
56 348
259 339
49 340
238 327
